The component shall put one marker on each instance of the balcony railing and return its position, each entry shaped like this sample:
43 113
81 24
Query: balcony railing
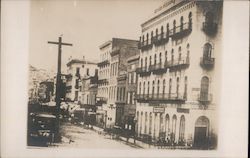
161 39
209 28
162 97
177 64
145 45
103 63
205 97
207 62
143 71
158 68
181 31
104 80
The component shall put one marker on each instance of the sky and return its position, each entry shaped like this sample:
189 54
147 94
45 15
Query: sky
84 23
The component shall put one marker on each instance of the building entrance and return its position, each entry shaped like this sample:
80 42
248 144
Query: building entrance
201 132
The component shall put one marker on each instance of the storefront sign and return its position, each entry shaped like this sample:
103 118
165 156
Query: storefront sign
181 110
158 110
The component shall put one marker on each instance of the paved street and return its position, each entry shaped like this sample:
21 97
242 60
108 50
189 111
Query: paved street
86 138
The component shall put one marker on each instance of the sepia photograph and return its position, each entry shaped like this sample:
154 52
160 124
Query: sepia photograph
126 75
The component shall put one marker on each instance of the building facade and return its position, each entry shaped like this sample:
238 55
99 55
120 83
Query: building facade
76 70
112 78
177 92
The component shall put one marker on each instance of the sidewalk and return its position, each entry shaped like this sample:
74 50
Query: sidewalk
140 143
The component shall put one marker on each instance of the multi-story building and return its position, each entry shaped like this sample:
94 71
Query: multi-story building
179 73
78 69
131 87
112 78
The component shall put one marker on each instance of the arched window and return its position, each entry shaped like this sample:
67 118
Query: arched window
167 29
161 31
182 129
155 59
144 86
141 123
146 121
185 88
163 87
150 61
161 123
170 87
139 88
148 86
179 51
190 20
181 22
160 58
156 32
174 26
166 56
147 38
141 63
158 87
177 86
138 117
174 120
167 124
153 88
207 51
172 56
204 88
150 123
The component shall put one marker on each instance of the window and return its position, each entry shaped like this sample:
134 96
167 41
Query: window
87 71
190 20
170 86
182 129
204 88
146 62
174 26
141 122
167 124
150 122
163 87
156 32
167 29
172 56
152 36
161 123
147 38
150 61
144 88
155 59
134 77
148 87
158 87
174 120
166 56
153 87
146 120
185 88
160 58
207 50
77 71
141 63
188 46
181 22
139 88
177 86
179 50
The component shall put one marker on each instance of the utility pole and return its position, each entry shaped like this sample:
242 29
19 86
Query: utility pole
58 84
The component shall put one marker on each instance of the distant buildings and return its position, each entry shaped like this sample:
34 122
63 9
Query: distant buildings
78 69
36 76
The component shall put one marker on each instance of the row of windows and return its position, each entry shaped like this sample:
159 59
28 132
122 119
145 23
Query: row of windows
114 69
132 77
144 88
131 98
120 94
146 37
145 121
105 56
112 92
146 60
103 92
